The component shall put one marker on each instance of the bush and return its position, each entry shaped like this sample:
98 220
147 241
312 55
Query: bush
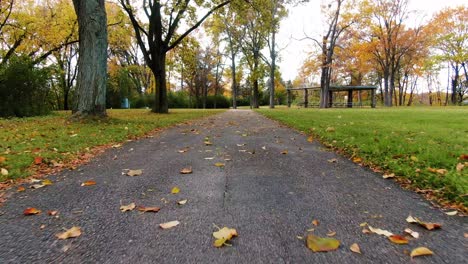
24 88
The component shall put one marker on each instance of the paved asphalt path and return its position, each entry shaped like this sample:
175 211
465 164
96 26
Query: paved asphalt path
269 197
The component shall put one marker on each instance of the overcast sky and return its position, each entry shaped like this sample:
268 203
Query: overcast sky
307 18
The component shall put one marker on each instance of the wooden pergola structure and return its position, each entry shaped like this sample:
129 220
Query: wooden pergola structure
335 88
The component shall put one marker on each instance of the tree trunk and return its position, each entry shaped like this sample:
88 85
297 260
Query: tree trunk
234 82
272 70
159 70
90 97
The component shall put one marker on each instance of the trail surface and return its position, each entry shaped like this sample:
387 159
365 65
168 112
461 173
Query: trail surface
269 197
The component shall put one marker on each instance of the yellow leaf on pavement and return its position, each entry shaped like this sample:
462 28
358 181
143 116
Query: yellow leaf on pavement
175 190
421 251
322 244
70 233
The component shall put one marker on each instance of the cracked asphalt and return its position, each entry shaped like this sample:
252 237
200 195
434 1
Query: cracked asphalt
270 198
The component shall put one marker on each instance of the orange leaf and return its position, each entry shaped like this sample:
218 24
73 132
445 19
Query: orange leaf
397 239
31 211
428 226
357 160
37 160
148 209
315 222
88 183
310 139
2 159
21 189
463 157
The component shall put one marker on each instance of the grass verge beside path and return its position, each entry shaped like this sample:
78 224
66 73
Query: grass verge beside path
421 146
28 145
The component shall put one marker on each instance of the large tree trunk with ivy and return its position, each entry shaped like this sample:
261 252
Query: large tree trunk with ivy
90 97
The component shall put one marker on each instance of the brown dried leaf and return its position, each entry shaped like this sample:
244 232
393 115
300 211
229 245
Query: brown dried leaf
187 170
412 233
331 234
182 202
355 248
332 160
168 225
330 129
388 176
223 235
2 159
133 173
208 143
315 222
310 139
52 213
129 207
428 226
70 233
379 231
148 209
460 167
31 211
21 189
284 152
37 160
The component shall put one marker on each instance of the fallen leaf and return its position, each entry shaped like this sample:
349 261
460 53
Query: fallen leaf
452 213
4 172
148 209
42 226
2 159
439 171
21 189
460 167
366 231
31 211
37 186
357 160
388 176
300 237
363 224
463 157
331 233
465 235
88 183
186 170
330 129
183 150
332 160
379 231
37 160
52 213
240 145
47 182
414 158
117 146
219 164
284 152
70 233
168 225
322 244
315 222
133 173
428 226
397 239
310 139
421 251
129 207
412 233
355 248
175 190
182 202
208 143
223 235
209 158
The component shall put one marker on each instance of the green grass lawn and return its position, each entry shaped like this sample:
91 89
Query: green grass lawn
53 141
413 143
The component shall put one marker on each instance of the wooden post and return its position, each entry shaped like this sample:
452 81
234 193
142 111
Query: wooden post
373 102
306 98
350 98
289 97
